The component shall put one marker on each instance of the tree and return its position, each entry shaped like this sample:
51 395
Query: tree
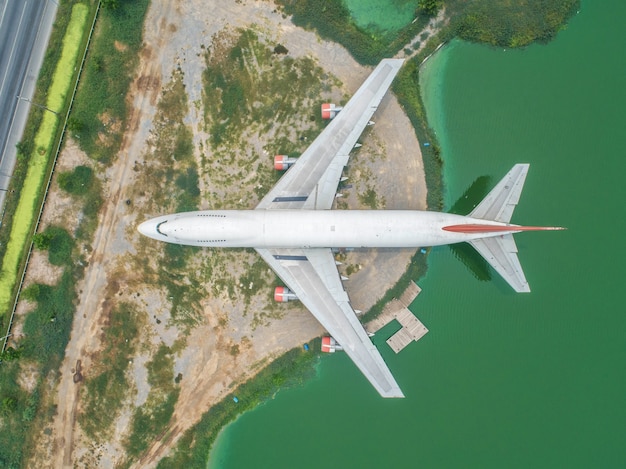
76 182
280 49
58 242
42 240
430 7
8 405
11 354
111 4
75 125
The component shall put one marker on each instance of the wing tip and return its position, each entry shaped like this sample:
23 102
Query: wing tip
394 393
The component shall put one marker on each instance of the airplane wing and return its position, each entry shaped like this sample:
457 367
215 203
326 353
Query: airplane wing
312 275
501 253
311 183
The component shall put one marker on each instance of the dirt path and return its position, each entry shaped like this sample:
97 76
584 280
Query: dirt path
176 33
89 317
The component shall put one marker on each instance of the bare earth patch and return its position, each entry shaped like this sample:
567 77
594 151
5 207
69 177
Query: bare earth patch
227 340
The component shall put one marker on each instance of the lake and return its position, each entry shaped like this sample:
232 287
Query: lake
502 379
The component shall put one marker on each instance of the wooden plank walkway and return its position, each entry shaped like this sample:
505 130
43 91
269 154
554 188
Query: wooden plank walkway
412 328
391 308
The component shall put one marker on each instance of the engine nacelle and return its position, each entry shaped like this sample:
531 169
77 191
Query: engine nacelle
329 111
283 295
330 345
283 162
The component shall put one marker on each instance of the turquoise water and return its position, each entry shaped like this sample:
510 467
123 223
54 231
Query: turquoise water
382 15
501 379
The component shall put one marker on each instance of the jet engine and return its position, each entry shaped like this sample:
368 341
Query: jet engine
283 295
330 345
329 111
283 162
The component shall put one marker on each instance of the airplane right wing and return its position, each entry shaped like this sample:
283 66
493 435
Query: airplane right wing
312 275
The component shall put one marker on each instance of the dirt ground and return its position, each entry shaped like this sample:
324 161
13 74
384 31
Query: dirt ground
176 33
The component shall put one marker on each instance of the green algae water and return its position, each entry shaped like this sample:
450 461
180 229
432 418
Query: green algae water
385 16
502 379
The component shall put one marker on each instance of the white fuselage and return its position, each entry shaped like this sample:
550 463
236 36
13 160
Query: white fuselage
314 228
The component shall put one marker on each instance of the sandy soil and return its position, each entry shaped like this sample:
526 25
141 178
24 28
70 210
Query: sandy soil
175 34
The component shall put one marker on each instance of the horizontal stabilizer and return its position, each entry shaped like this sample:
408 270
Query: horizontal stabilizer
501 201
501 253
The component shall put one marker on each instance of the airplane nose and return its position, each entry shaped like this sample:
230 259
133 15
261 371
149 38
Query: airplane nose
148 228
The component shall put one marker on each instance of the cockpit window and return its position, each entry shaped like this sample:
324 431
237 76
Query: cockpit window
158 228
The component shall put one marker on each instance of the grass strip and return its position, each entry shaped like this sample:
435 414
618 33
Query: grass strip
26 211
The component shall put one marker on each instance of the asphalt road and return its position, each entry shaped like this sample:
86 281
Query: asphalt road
25 27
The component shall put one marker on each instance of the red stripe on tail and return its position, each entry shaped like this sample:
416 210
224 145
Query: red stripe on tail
476 228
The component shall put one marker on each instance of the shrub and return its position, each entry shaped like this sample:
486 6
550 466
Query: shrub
58 242
78 181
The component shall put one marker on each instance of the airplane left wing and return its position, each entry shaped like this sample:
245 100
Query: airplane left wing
311 183
312 275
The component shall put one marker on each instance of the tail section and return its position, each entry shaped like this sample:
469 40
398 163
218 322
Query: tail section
501 251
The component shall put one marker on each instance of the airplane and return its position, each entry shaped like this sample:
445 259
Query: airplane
295 231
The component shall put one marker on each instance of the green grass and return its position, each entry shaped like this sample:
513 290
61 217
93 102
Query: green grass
151 418
46 329
254 93
108 385
99 113
263 93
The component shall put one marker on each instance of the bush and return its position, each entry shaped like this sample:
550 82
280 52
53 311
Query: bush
76 182
58 242
509 24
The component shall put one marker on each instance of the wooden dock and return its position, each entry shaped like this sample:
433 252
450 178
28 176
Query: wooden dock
412 328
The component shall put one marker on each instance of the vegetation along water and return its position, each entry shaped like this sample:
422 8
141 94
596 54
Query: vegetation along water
501 379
